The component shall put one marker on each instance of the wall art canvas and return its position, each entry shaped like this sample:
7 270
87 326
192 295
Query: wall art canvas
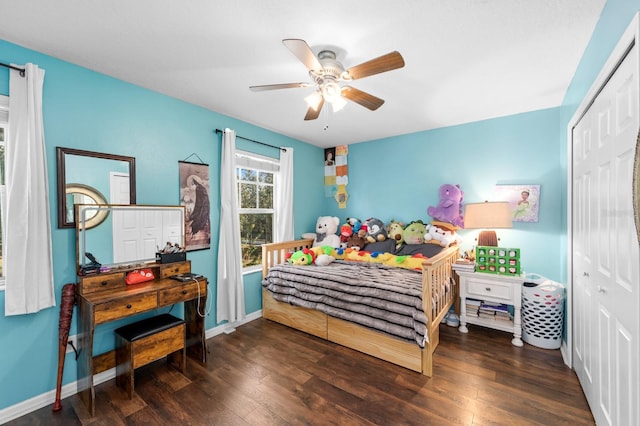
524 201
194 195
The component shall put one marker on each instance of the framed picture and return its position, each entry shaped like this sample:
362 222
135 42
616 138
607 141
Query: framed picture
524 201
194 195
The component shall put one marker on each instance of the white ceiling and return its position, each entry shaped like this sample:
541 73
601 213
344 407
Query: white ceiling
466 60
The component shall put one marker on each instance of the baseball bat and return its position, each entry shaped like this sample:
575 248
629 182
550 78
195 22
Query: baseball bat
66 313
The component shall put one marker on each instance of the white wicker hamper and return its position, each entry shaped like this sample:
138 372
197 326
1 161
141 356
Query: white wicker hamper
542 312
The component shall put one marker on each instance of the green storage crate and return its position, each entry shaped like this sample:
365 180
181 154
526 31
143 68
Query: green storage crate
498 260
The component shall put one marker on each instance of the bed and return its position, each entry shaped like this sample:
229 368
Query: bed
437 289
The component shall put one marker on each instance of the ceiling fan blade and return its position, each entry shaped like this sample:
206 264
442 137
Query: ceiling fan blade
362 98
312 114
278 86
384 63
301 49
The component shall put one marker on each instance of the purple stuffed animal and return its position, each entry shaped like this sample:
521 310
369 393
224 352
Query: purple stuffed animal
449 208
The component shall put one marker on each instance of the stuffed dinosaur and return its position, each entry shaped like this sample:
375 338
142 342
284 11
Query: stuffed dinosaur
449 209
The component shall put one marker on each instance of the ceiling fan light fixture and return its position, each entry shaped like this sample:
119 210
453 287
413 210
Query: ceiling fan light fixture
331 91
313 100
338 104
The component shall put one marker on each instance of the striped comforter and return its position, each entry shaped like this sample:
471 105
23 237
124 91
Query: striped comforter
383 298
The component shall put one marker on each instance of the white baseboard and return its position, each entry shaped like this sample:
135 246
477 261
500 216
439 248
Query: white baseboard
48 398
564 350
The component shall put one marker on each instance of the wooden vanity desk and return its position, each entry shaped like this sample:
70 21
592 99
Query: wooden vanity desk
105 297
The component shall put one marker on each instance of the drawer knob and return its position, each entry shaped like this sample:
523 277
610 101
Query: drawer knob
184 291
488 288
128 305
104 283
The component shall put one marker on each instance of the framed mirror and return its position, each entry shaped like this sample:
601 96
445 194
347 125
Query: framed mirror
88 177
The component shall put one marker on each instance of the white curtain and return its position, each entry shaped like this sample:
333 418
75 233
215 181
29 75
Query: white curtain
230 297
284 197
28 263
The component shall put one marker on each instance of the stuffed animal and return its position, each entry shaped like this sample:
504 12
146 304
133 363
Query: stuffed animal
449 209
355 223
442 236
414 232
326 232
320 255
346 230
301 257
394 232
377 257
358 240
408 262
375 230
324 259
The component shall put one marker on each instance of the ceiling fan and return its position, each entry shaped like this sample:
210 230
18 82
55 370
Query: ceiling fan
327 72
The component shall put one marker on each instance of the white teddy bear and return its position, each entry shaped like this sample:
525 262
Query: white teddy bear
326 232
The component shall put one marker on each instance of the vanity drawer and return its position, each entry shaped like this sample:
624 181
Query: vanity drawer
102 282
491 290
171 269
187 291
125 306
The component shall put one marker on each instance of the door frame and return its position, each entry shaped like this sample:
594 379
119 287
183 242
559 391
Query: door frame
629 38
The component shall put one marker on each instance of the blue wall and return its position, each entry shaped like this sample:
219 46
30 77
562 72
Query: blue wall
391 178
87 110
398 178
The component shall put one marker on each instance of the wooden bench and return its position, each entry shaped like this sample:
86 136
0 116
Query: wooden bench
148 340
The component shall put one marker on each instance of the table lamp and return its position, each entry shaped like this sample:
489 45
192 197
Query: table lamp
487 216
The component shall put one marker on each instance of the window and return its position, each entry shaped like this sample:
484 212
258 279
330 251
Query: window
256 178
4 130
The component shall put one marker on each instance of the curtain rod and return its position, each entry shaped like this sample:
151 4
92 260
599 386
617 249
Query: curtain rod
258 142
2 64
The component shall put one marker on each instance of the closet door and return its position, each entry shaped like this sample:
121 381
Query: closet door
606 259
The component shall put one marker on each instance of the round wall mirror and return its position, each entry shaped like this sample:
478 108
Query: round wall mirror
77 193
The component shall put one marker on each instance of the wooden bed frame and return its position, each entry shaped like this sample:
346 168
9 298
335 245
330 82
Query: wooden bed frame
436 273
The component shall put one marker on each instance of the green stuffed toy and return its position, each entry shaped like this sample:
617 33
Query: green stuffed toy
414 232
320 255
301 257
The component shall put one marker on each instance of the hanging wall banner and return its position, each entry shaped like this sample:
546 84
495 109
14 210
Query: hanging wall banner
330 187
342 175
194 195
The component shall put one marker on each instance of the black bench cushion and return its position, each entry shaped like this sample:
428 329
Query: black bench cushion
148 326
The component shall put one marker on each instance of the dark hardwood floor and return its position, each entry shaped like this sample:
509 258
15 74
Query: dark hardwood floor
269 374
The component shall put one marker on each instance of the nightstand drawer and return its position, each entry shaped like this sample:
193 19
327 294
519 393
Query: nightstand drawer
482 289
125 306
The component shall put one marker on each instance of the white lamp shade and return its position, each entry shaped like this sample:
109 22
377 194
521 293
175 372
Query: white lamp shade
487 215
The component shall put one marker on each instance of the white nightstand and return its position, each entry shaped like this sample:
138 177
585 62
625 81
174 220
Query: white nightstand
492 288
